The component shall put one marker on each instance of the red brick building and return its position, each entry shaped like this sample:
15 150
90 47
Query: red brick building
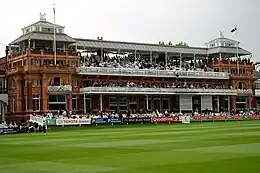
97 75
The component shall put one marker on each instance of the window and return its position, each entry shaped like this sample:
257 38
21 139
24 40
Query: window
74 102
57 98
36 102
14 104
13 83
37 29
36 83
35 62
60 30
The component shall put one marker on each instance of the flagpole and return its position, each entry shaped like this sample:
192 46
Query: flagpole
54 37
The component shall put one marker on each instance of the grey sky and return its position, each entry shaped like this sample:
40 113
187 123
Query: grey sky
192 21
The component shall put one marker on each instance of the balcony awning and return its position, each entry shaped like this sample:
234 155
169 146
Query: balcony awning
157 91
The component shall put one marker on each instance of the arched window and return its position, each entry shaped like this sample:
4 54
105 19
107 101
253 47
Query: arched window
13 83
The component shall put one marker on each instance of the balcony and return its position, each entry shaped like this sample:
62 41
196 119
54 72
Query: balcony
151 91
151 73
244 92
60 89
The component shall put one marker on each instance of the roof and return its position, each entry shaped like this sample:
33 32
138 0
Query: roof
88 43
256 74
44 36
225 39
231 50
44 24
138 46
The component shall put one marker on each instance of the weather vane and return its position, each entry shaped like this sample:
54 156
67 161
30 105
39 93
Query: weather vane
43 16
221 34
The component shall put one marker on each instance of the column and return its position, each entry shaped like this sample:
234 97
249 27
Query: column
218 103
135 55
228 103
147 103
64 47
33 45
102 54
29 95
166 59
101 102
85 111
3 112
69 102
180 60
233 102
151 56
220 56
194 60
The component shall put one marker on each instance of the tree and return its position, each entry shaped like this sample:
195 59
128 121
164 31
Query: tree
182 44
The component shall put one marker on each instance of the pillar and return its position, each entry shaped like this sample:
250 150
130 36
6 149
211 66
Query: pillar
233 102
135 55
218 105
102 54
69 102
64 47
33 45
166 59
194 60
29 94
151 56
101 102
84 109
147 103
228 103
180 60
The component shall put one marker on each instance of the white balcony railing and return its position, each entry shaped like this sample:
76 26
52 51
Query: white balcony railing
168 91
63 88
150 73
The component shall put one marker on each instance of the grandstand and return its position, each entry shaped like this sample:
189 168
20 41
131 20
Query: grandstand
86 77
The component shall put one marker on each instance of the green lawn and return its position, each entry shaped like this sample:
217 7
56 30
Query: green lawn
231 147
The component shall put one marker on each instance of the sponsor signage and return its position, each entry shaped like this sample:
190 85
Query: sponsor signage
106 121
164 119
114 121
8 131
220 118
237 117
99 120
201 118
61 122
137 120
253 116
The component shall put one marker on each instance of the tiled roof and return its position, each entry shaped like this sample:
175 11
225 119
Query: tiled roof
44 36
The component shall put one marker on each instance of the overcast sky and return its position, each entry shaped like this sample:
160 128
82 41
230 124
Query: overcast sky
191 21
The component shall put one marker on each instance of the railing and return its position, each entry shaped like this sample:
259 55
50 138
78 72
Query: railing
150 72
64 88
38 67
245 92
136 90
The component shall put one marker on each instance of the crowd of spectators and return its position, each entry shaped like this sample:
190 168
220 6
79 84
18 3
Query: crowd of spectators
141 62
174 84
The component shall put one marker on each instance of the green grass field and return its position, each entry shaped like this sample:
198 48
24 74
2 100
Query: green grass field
232 147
